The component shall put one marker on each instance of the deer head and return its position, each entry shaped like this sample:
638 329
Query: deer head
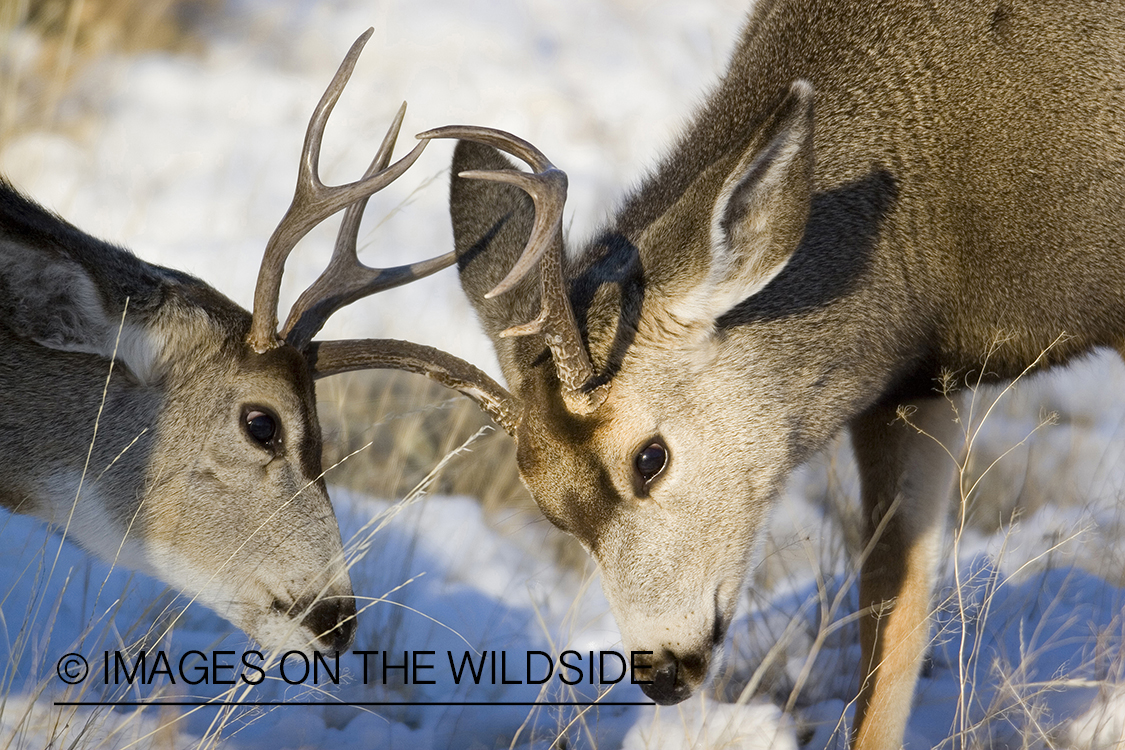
167 430
619 398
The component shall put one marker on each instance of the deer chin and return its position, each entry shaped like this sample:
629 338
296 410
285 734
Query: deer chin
193 421
803 262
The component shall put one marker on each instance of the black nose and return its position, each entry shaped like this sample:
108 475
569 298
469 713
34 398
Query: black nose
333 620
668 686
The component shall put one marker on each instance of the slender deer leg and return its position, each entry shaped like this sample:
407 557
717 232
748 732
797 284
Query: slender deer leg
906 477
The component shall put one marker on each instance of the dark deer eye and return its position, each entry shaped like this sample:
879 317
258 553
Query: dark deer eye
261 427
650 461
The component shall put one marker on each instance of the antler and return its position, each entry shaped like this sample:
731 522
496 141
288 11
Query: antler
556 321
332 357
346 280
313 202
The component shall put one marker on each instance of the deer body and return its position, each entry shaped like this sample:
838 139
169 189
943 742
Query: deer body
874 195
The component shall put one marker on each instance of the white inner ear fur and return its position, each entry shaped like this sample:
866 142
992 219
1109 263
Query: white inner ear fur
752 219
132 345
139 350
54 303
740 225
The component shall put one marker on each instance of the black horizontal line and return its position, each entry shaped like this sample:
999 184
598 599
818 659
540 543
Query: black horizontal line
353 704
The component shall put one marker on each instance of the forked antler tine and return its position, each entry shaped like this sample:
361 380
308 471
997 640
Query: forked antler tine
332 357
547 188
313 202
346 279
548 193
349 227
556 321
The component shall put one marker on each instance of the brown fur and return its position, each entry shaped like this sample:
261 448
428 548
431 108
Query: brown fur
875 194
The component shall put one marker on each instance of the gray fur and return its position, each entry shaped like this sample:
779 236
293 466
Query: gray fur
173 484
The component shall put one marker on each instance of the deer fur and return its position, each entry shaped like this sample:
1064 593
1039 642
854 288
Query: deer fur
160 474
874 195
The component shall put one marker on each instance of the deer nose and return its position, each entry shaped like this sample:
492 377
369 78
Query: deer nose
674 678
334 622
666 688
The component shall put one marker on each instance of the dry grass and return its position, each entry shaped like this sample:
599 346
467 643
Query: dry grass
385 431
92 27
45 43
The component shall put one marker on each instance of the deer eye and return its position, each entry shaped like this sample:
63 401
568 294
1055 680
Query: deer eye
261 426
650 462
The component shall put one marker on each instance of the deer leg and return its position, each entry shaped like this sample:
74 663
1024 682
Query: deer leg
906 470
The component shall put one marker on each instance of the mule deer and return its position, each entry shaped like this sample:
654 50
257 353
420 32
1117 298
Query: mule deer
200 461
874 194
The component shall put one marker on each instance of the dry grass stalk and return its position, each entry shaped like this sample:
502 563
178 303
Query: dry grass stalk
45 43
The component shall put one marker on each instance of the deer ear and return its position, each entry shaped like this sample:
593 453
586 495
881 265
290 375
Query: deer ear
55 303
491 225
759 216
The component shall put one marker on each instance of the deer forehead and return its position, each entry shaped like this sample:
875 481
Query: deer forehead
661 377
230 378
279 376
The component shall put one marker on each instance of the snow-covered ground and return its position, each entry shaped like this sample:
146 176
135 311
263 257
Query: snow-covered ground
190 160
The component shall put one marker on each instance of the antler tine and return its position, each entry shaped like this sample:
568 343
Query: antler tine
556 321
332 357
500 139
548 193
547 188
346 279
313 202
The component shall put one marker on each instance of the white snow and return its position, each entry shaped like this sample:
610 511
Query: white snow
190 161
